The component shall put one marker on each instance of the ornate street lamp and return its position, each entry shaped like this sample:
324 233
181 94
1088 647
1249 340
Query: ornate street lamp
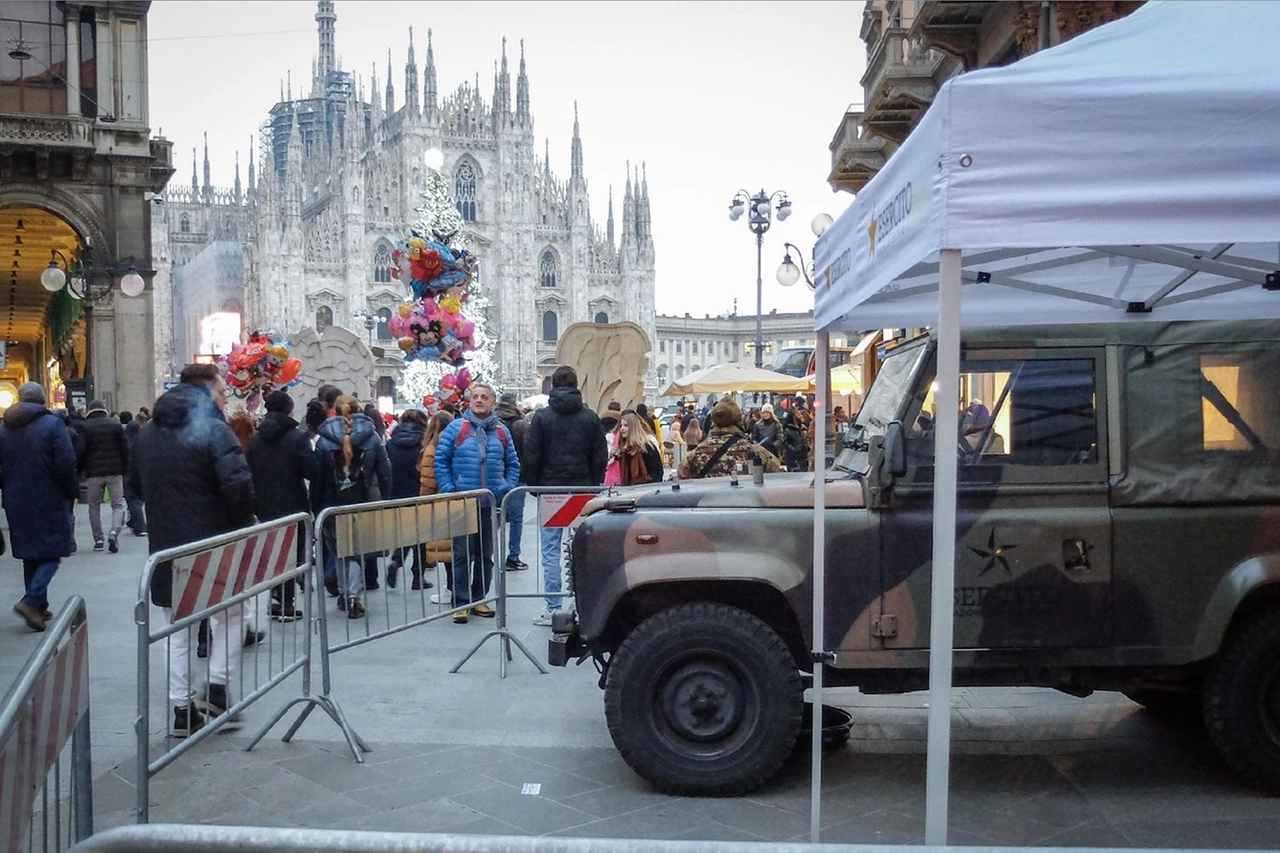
91 283
761 217
788 272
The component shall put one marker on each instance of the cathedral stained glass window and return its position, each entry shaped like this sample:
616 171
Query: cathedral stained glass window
547 269
550 326
382 262
324 318
464 190
184 224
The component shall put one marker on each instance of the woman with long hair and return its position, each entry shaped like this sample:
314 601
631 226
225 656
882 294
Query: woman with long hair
354 469
636 449
441 550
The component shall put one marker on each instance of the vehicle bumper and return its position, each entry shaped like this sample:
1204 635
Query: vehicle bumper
566 642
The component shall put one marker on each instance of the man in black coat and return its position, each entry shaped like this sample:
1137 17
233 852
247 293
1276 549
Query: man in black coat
137 516
190 470
38 479
565 446
508 411
106 459
282 463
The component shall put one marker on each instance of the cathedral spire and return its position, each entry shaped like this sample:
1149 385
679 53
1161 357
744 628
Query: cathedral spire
608 228
207 187
288 76
576 156
522 91
628 214
502 90
643 213
375 95
253 188
391 89
195 178
411 79
237 184
429 90
325 19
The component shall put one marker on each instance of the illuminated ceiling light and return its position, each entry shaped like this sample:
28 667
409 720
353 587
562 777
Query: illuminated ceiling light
17 238
17 253
21 227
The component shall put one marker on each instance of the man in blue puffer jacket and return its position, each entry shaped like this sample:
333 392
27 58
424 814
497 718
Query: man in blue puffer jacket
476 452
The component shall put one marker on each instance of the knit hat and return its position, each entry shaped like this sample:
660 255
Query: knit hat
97 406
279 401
767 407
507 397
725 414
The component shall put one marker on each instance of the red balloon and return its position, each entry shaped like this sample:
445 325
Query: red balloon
288 371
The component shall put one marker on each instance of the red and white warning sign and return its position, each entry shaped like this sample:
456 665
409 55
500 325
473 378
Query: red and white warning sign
561 511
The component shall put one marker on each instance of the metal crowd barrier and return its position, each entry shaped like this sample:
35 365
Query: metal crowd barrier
179 838
218 579
47 706
558 508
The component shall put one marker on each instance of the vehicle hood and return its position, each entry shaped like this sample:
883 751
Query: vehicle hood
780 491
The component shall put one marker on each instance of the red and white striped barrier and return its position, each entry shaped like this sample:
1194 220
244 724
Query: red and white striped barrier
206 579
50 712
562 510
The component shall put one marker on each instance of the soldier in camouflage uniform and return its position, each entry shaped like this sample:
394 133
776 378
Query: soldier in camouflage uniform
726 428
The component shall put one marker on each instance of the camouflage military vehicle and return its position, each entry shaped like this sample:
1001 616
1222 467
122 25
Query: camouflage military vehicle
1118 528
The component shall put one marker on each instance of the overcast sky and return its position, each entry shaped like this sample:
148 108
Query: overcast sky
711 96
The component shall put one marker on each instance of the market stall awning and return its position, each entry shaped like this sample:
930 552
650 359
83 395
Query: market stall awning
731 378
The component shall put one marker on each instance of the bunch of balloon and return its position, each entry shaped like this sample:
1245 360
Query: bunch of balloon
262 365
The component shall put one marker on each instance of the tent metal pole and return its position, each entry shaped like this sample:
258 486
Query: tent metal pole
942 616
822 387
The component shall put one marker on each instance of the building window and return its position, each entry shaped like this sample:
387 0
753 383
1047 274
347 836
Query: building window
184 224
324 318
662 375
693 348
382 262
662 346
550 326
679 348
386 386
33 86
88 63
679 370
602 318
547 268
384 324
464 190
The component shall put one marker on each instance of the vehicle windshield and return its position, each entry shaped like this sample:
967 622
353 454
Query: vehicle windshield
884 400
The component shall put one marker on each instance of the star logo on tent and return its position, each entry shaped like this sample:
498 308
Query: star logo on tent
871 233
994 555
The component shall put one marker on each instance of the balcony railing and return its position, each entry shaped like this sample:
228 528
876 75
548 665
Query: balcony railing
46 131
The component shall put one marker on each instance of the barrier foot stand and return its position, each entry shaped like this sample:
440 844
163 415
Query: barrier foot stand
326 704
506 635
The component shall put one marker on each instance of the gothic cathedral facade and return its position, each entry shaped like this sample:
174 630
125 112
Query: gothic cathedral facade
338 177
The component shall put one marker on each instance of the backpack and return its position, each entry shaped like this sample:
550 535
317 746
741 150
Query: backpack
349 483
503 436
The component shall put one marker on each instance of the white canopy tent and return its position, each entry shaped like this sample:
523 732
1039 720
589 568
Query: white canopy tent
1129 175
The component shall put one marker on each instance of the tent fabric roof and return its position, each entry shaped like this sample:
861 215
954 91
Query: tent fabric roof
728 378
1147 146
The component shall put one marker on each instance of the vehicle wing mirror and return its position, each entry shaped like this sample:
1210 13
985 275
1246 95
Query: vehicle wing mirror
895 449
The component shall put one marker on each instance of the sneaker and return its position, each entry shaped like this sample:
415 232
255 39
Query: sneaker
186 721
543 619
342 602
213 701
31 615
113 545
284 613
393 573
460 617
484 611
355 610
515 564
98 545
420 583
444 597
252 638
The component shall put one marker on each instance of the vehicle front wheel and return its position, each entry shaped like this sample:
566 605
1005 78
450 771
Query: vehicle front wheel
1242 699
704 699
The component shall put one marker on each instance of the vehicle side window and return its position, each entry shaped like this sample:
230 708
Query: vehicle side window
1034 412
1239 407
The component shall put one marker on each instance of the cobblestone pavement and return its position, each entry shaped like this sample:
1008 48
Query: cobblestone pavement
530 754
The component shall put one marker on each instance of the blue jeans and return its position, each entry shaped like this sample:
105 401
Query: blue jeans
551 538
473 562
348 572
515 524
37 574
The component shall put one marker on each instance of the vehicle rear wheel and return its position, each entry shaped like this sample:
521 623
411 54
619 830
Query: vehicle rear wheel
704 699
1242 699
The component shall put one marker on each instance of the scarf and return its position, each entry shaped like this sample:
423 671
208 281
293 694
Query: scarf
481 427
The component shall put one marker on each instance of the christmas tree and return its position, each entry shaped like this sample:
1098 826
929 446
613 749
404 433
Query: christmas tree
439 219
